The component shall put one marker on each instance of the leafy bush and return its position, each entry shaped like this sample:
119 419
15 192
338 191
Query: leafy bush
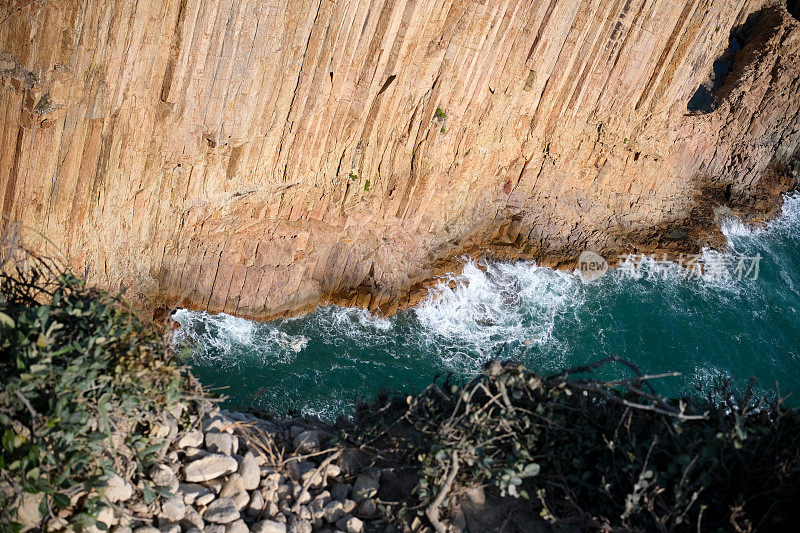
88 391
596 455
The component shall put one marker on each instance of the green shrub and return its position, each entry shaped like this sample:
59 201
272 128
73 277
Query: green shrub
86 387
439 113
594 454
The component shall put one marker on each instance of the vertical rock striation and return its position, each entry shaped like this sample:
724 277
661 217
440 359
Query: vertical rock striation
259 157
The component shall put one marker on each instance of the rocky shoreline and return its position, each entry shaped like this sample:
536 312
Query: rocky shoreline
236 473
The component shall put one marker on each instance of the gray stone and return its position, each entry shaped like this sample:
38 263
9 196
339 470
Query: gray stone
215 485
205 499
218 442
333 511
340 491
232 487
297 524
237 527
163 476
192 519
241 499
303 497
318 504
118 490
28 511
192 491
255 505
210 467
173 509
366 486
367 509
191 439
297 469
214 528
216 423
170 528
350 524
268 526
146 529
221 511
250 472
349 506
308 441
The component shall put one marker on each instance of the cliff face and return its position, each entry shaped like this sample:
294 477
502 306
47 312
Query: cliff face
259 157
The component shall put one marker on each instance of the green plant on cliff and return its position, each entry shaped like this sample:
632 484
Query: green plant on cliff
353 176
366 185
439 113
87 390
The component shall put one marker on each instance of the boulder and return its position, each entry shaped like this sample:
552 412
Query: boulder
221 511
173 509
250 471
191 439
366 486
237 526
118 490
297 524
210 467
350 524
219 442
192 491
308 441
268 526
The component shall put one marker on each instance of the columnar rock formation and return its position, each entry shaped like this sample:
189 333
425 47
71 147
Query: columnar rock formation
261 156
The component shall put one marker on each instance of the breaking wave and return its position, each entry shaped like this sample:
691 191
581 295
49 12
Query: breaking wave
709 315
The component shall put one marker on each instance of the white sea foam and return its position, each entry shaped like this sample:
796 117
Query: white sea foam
224 337
489 305
788 220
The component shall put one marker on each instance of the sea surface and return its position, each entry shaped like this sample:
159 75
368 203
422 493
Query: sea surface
732 313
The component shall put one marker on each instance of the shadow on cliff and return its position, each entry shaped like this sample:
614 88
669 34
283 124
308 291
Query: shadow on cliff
745 43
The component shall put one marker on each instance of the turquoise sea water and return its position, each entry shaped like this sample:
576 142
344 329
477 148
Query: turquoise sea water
664 317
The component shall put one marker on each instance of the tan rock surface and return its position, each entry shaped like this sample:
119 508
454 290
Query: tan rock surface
259 157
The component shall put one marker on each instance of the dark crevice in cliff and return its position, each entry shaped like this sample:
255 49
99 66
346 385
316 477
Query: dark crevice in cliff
703 101
794 8
744 43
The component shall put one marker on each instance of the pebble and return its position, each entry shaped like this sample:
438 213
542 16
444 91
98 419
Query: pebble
192 491
219 442
333 511
296 524
308 441
118 490
163 476
350 524
237 527
340 491
366 486
249 472
210 467
191 439
173 509
221 511
367 509
268 526
255 505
